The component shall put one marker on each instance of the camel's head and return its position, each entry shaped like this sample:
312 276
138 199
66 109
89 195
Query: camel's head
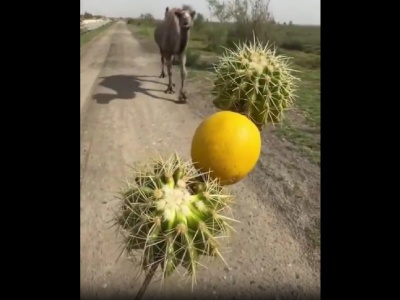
185 18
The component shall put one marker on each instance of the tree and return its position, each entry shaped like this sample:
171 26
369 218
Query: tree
219 10
251 17
147 17
87 16
199 22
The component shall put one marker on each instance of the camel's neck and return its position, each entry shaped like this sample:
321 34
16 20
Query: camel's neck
184 40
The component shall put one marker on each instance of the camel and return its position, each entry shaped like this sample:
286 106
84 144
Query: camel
173 57
166 12
172 36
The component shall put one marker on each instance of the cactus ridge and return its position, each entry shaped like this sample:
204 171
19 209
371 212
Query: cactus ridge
173 215
253 80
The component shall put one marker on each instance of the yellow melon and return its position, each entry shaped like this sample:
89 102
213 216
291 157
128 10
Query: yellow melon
228 144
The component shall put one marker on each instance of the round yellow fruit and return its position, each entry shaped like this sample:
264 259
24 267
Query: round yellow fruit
228 144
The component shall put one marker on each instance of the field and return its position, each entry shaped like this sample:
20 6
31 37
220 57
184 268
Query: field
127 117
302 43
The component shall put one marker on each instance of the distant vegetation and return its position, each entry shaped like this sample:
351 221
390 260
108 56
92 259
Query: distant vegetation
89 16
237 20
86 35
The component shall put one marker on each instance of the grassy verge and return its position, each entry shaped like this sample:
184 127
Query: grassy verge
145 31
89 35
302 125
302 128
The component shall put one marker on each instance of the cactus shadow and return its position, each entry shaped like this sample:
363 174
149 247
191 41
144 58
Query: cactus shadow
126 87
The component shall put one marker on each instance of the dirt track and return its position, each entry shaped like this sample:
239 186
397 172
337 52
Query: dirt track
126 117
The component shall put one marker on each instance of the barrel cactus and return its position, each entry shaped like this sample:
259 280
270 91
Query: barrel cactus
255 81
173 215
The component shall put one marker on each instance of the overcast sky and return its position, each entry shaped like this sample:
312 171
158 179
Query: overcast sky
297 11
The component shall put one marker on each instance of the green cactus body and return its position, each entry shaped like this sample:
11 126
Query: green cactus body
253 80
173 215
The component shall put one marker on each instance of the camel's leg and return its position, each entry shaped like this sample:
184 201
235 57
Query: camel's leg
169 89
162 65
182 93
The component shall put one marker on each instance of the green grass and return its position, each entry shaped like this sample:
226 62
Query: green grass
306 136
146 31
303 38
90 35
302 43
309 96
307 141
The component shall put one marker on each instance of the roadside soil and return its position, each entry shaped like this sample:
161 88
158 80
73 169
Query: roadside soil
126 117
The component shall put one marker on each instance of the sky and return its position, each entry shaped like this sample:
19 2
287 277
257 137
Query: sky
305 12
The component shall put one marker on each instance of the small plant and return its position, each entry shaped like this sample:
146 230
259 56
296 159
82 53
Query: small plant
192 58
214 37
293 45
173 215
253 80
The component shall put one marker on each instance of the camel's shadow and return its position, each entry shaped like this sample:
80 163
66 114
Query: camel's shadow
127 87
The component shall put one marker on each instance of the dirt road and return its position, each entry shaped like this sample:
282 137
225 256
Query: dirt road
125 117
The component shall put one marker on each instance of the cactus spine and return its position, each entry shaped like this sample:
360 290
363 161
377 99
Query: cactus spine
173 215
253 80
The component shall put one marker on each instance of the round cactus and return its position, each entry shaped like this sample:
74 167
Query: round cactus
253 80
173 215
